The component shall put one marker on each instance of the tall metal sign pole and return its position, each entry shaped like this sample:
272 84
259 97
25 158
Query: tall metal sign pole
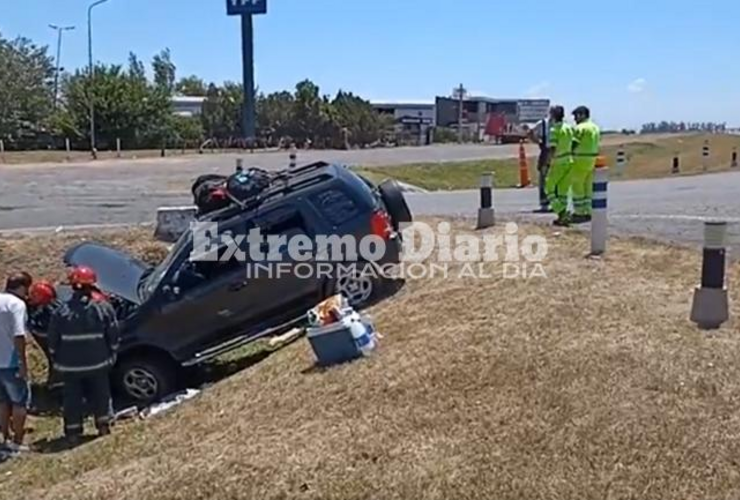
247 9
459 94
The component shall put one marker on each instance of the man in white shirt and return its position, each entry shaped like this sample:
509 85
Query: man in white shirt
15 393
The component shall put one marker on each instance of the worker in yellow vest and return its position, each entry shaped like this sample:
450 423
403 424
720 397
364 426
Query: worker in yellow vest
558 182
586 148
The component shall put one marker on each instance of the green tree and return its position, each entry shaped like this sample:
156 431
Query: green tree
191 86
164 71
275 114
26 75
126 106
309 112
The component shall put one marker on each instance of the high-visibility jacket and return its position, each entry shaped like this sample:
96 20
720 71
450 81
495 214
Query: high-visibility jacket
561 139
587 140
83 335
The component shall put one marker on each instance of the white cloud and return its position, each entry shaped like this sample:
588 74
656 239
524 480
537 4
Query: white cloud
538 90
637 86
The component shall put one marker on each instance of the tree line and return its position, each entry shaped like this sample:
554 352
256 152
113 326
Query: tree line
665 127
138 110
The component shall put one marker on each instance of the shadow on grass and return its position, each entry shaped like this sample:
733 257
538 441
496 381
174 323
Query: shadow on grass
46 401
229 365
60 444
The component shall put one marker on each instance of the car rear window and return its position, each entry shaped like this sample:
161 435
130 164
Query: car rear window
335 206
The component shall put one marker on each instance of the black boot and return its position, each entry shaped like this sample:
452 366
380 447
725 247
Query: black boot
581 219
563 220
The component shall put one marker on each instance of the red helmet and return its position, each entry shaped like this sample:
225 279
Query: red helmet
82 276
41 293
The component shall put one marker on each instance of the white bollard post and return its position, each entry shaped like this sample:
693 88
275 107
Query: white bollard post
599 219
486 214
239 165
2 150
293 158
705 155
621 160
118 147
709 308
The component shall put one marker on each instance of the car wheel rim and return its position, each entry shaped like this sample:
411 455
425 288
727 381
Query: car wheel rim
356 287
140 384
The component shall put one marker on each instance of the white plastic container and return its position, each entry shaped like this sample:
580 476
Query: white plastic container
362 335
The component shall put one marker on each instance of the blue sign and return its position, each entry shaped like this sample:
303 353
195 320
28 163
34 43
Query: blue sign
246 7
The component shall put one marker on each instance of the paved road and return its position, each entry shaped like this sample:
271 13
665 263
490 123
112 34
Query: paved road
118 191
668 209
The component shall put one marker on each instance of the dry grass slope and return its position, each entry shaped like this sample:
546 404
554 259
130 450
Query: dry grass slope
589 384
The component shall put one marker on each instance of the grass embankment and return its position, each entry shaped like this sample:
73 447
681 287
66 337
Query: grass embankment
650 158
591 383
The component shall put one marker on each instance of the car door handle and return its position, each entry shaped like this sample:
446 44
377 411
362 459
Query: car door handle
239 285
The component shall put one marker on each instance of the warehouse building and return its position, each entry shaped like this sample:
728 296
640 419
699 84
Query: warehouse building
412 121
485 117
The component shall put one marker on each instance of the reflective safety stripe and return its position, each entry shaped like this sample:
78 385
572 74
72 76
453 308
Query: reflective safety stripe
83 337
72 427
80 369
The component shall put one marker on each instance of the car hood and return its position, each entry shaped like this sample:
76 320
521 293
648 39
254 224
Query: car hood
118 273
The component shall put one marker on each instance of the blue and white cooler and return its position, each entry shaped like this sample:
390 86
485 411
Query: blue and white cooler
348 339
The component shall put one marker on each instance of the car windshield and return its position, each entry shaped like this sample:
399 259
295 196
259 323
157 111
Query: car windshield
153 277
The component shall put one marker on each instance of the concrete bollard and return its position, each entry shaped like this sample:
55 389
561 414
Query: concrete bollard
621 160
2 150
486 215
118 147
733 164
705 155
675 168
709 308
599 219
68 147
239 165
293 164
172 222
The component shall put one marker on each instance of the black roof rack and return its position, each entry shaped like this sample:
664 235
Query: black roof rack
284 183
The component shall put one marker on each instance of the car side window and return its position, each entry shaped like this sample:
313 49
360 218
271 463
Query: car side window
284 221
335 206
199 272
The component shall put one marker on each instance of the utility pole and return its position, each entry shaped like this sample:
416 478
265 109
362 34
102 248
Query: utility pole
59 30
460 94
91 82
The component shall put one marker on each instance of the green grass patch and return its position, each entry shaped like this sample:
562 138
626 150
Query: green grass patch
449 175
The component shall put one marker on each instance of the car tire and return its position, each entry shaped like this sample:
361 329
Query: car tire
144 379
392 195
358 287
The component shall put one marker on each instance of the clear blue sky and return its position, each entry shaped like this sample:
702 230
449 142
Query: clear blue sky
630 61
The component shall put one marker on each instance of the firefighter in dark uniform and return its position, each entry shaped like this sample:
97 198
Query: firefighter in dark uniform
83 341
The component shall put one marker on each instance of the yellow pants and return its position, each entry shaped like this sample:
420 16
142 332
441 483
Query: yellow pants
582 178
557 185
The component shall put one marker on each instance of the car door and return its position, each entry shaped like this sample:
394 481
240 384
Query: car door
203 302
290 286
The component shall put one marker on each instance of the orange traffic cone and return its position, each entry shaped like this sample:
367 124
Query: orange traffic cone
523 167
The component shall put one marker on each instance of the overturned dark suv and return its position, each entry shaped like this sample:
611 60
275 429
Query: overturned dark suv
188 310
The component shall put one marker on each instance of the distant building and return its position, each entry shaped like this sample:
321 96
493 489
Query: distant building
477 111
412 121
187 105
